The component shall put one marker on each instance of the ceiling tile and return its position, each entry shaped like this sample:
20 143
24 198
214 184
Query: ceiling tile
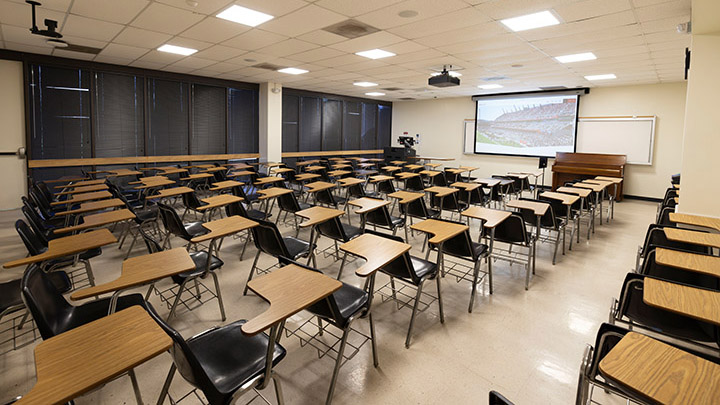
189 43
219 53
162 18
478 32
662 10
121 12
665 24
223 67
274 8
304 20
57 5
141 38
163 58
193 62
147 64
500 9
317 54
352 8
602 23
254 39
207 7
19 14
585 9
124 51
21 35
215 30
436 25
341 60
61 53
372 41
321 37
112 60
89 28
388 17
288 47
14 46
85 42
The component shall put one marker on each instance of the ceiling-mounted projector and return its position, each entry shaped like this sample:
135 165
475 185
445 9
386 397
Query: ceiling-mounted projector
444 79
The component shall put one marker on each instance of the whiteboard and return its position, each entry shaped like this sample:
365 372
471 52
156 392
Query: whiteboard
631 136
469 137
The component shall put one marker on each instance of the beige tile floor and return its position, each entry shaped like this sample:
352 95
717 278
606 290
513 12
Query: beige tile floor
525 344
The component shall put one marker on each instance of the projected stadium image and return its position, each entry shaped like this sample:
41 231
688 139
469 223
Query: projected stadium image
526 126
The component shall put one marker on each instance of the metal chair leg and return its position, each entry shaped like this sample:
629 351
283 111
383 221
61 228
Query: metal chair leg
247 240
89 272
338 362
278 390
412 318
166 385
373 341
557 243
476 271
440 303
177 300
252 272
342 265
219 296
136 387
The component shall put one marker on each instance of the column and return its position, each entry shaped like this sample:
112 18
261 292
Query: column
270 112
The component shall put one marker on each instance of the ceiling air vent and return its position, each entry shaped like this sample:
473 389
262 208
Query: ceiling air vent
494 78
406 98
268 66
351 29
82 49
392 88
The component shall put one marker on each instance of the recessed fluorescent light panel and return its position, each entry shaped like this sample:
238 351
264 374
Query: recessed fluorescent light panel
531 21
375 54
490 86
601 77
244 16
177 50
577 57
365 84
375 94
451 73
292 71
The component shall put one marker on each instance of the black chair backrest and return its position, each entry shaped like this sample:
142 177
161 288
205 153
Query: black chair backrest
236 208
172 222
460 244
153 246
288 202
512 230
34 244
37 224
449 202
268 239
664 217
497 399
416 208
439 180
651 267
357 190
401 267
187 363
333 229
655 237
557 207
325 197
191 201
44 206
379 216
546 221
386 187
46 304
414 184
43 188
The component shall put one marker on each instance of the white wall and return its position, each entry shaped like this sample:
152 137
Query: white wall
12 117
440 125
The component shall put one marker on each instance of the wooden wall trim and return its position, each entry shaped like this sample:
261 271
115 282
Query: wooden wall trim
332 153
35 164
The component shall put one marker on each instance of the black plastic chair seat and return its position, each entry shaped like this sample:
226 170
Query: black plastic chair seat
10 294
351 231
146 214
86 255
93 310
304 206
200 260
195 229
478 249
257 214
231 359
433 213
423 267
349 301
296 247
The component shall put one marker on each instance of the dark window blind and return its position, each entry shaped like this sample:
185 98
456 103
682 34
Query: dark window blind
59 113
332 124
369 126
351 125
243 121
384 126
310 124
168 118
208 120
119 121
290 123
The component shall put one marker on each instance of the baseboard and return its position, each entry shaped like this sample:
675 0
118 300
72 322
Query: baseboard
641 198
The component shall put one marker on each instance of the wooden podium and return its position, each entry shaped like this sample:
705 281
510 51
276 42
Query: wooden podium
580 166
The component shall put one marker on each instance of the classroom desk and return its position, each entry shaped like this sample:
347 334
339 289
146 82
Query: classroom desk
538 208
580 192
404 176
441 193
203 166
241 173
611 197
315 216
681 299
263 181
341 166
93 206
413 166
142 180
175 170
433 165
696 220
84 189
489 218
693 237
98 220
430 173
465 186
170 192
214 169
380 178
224 185
338 173
440 231
698 263
365 173
68 246
289 290
350 181
377 252
316 186
215 202
155 183
270 194
366 165
281 170
84 197
661 373
439 159
398 162
224 227
367 204
583 193
568 200
488 182
75 362
376 160
140 271
197 176
306 176
70 179
598 189
314 168
239 165
123 172
390 169
405 197
81 183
